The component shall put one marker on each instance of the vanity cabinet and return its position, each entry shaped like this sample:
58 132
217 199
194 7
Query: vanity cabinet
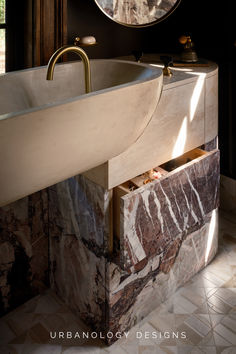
120 247
120 241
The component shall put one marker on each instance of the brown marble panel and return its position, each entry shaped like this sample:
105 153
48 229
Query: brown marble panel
78 277
154 215
23 250
79 223
132 296
210 145
80 207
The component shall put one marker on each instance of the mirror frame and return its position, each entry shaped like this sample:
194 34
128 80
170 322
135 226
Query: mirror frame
141 25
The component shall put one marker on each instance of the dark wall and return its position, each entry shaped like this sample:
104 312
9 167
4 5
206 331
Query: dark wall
208 26
211 26
15 35
84 17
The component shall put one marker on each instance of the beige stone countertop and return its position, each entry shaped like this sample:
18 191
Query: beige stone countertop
187 73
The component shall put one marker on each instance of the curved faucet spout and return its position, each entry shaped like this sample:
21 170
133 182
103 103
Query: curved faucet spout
81 53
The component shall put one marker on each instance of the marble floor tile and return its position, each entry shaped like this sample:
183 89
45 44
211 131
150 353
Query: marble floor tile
154 350
47 304
42 349
216 319
179 319
208 350
230 283
229 323
222 350
214 279
132 349
163 322
200 281
196 350
82 349
183 305
9 349
220 341
169 350
225 333
187 349
204 318
197 325
116 350
218 305
203 309
228 295
192 337
210 291
208 340
149 333
6 333
194 289
192 296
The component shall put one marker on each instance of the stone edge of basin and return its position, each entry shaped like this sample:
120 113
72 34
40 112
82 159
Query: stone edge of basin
156 73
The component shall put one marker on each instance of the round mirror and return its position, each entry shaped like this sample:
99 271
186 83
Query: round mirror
137 13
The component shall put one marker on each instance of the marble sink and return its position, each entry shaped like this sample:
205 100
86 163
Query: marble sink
51 130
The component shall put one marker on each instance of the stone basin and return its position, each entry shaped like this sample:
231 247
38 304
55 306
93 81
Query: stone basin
52 130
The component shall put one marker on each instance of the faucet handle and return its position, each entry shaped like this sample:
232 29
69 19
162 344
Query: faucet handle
137 54
167 60
85 41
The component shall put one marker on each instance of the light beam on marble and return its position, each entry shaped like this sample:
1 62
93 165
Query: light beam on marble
210 236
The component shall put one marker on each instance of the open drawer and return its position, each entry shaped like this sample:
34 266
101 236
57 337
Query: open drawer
149 217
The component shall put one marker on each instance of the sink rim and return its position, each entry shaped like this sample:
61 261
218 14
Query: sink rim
155 73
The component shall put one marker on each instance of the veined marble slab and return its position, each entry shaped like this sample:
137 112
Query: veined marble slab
79 226
133 296
153 215
23 250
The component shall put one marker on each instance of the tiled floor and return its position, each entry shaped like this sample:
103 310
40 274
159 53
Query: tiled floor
204 311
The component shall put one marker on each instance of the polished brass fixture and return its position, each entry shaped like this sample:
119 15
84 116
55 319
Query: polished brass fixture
167 71
81 53
167 60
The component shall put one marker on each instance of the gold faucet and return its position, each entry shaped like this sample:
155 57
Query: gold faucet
81 53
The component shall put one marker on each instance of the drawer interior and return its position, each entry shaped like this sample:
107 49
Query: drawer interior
183 159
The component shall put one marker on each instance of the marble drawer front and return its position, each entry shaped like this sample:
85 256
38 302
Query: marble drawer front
151 217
